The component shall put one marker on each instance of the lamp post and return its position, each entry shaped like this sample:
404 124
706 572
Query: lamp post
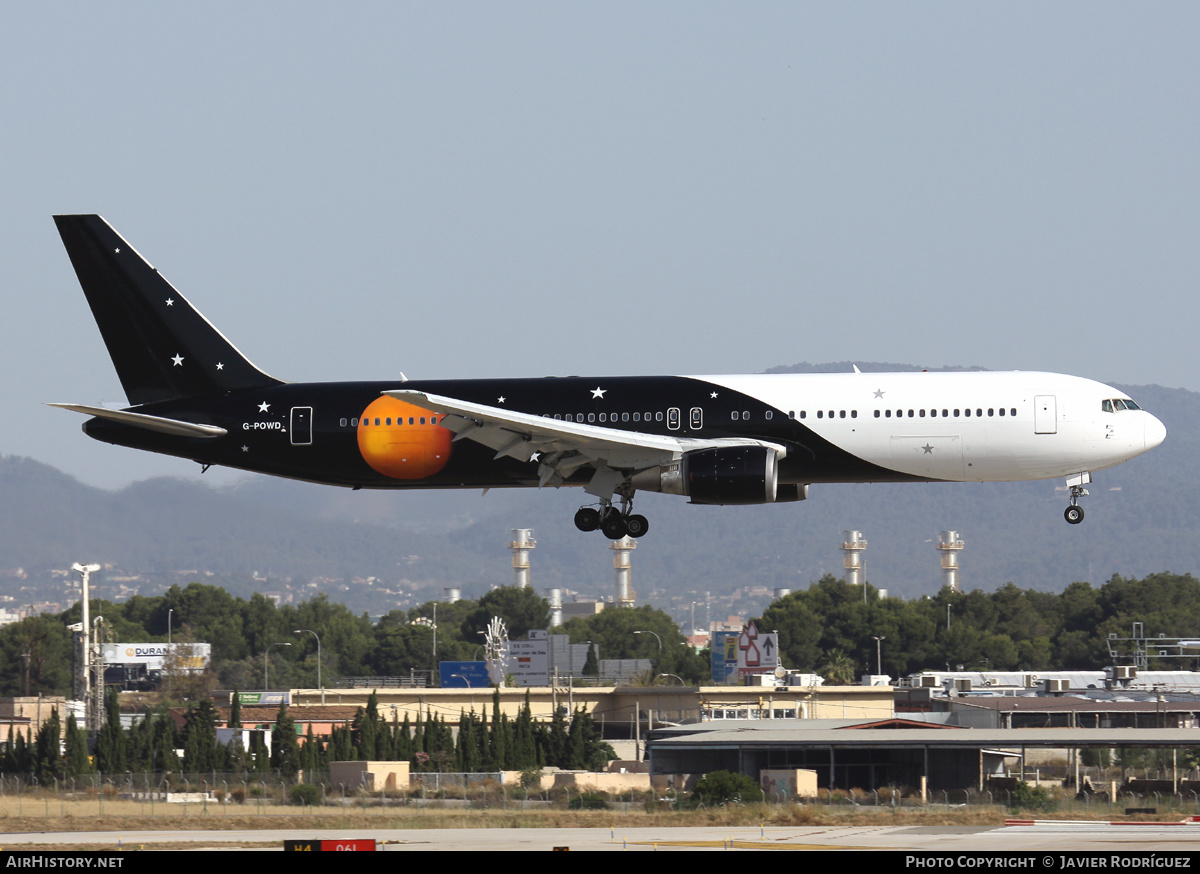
656 637
267 665
320 685
879 653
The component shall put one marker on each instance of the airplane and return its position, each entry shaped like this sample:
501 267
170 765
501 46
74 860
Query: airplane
731 440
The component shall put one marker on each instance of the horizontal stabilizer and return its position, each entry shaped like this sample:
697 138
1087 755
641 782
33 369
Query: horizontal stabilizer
150 423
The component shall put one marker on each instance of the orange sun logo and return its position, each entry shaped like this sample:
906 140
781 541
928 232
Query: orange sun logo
402 441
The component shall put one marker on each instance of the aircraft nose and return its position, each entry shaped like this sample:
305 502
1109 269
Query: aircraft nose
1155 431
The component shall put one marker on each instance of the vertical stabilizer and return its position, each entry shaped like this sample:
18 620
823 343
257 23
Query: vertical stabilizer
161 346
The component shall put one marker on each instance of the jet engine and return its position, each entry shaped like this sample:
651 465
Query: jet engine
723 475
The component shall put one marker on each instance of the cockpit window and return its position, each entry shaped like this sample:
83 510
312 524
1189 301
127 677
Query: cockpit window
1115 405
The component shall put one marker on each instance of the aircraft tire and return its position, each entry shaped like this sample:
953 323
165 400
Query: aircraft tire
614 527
637 525
1074 515
587 519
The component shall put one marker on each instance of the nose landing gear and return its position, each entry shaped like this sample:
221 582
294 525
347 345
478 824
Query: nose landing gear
1076 483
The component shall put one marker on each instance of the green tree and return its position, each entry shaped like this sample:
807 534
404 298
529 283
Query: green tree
285 747
521 610
47 756
76 761
110 741
722 787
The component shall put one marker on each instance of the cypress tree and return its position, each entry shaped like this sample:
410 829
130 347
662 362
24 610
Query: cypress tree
285 748
47 760
110 742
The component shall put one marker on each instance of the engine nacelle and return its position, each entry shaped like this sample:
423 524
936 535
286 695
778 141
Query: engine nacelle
723 475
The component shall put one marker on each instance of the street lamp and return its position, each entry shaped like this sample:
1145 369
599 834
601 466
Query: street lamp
320 685
879 654
267 665
656 637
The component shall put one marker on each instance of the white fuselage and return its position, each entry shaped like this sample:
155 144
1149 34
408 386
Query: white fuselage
963 426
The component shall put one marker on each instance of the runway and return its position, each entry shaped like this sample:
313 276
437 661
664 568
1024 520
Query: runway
1036 839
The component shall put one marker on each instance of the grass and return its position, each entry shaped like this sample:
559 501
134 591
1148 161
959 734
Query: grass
47 812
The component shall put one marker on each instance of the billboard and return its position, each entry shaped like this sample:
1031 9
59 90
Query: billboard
186 657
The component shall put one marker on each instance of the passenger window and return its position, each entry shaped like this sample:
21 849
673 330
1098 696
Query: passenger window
745 415
354 422
804 414
842 414
877 414
342 423
733 415
791 414
768 415
888 413
696 416
820 414
673 418
624 417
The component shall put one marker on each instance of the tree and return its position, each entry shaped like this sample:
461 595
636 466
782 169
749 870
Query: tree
47 758
200 751
285 747
110 742
521 610
722 787
76 761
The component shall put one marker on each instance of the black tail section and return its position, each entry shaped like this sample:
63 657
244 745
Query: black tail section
162 347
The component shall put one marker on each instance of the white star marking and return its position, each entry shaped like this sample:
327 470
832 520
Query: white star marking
878 392
178 359
170 301
713 395
500 399
263 407
220 366
598 392
117 251
245 449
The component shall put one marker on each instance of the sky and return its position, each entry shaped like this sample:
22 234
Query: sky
467 189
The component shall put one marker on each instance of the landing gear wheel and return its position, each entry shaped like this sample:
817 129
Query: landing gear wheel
614 526
637 525
1074 515
587 519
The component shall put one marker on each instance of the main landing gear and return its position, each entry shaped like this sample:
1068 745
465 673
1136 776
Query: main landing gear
614 523
1076 483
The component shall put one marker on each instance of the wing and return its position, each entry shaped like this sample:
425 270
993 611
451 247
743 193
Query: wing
563 448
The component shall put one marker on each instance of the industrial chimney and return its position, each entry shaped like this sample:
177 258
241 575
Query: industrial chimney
522 543
949 546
